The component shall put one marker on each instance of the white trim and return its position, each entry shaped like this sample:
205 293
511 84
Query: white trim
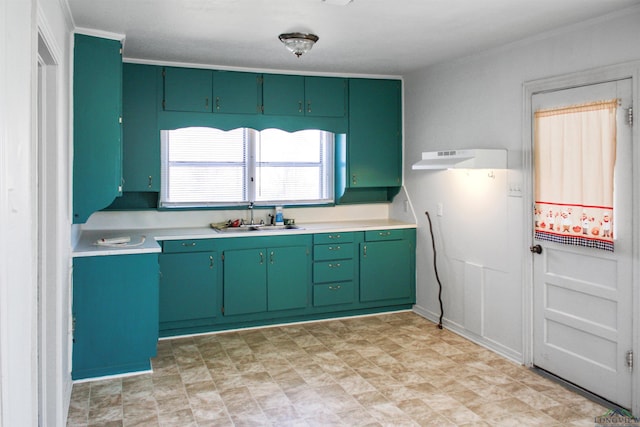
257 70
588 77
4 219
47 36
68 16
100 33
487 343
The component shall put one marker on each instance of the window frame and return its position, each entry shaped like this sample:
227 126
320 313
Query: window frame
251 168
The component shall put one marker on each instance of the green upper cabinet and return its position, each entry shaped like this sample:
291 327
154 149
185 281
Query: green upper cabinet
206 91
325 96
97 129
141 138
374 153
283 95
188 89
304 96
236 93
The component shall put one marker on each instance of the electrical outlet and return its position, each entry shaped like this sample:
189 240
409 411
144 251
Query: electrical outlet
515 190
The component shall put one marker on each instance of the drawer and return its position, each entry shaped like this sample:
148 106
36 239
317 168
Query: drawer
373 235
333 271
333 238
332 251
191 245
333 293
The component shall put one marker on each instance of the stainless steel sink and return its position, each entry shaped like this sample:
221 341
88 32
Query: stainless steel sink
256 228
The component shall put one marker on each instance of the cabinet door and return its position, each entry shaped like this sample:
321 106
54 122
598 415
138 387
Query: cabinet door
141 138
235 92
288 278
188 89
245 281
325 96
283 95
115 312
374 142
97 129
385 269
188 286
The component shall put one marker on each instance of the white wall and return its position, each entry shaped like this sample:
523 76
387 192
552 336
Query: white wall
20 22
477 102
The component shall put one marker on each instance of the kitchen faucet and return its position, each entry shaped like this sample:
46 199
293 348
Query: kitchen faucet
250 207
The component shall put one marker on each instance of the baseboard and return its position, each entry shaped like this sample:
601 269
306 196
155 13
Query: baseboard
487 343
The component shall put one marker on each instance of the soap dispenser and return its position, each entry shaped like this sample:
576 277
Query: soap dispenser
279 217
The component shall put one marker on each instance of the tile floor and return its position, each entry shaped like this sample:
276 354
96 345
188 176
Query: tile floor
388 370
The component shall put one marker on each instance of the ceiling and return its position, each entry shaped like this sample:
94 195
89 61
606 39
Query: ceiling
372 37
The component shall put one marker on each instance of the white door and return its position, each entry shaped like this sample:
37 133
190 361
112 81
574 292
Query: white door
582 297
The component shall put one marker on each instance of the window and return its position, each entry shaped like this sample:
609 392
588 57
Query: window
212 167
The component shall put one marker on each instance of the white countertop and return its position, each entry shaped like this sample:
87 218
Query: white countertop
146 241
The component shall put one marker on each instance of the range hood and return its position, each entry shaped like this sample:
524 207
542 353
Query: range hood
462 159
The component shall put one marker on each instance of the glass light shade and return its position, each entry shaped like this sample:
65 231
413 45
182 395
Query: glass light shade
298 43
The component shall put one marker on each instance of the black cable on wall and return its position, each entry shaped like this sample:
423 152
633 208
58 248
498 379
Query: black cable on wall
435 268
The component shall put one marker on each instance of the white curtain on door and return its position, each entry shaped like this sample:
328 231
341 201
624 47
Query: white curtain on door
574 160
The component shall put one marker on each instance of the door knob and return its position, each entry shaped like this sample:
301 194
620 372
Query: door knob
536 249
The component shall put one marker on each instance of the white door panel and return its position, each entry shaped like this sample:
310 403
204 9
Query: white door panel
582 297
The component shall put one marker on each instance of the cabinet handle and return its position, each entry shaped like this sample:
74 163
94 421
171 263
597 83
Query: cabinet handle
308 106
206 103
271 257
334 265
334 248
217 103
364 251
210 262
354 180
299 106
150 181
334 288
387 233
261 258
336 236
189 244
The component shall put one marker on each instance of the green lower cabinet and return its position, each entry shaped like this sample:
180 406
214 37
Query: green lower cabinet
188 289
265 279
287 278
386 270
115 314
245 281
327 294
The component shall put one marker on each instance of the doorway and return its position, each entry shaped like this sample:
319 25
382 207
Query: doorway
45 187
581 298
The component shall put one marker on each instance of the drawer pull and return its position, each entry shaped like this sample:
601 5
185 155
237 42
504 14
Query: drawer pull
334 248
386 233
334 288
191 244
334 265
336 236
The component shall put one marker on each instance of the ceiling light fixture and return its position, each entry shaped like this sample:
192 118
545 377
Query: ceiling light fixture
298 43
